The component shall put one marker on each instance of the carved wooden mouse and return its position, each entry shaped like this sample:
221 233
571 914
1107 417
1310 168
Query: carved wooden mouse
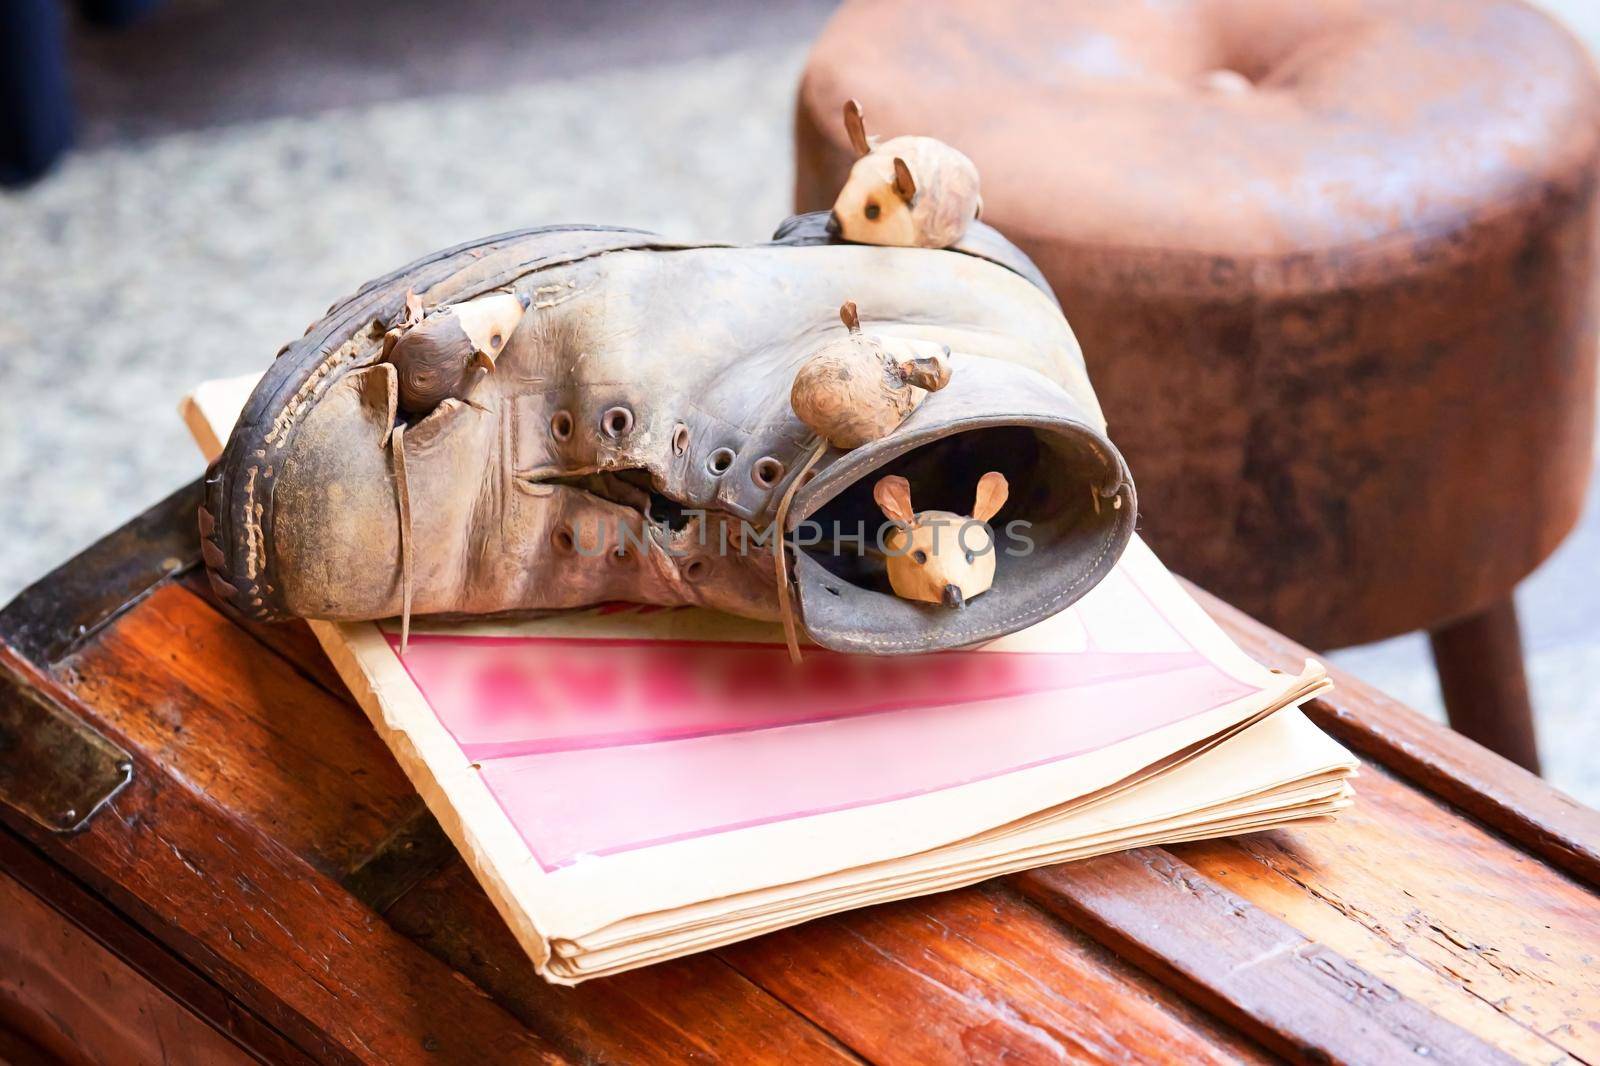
913 192
857 388
939 556
447 351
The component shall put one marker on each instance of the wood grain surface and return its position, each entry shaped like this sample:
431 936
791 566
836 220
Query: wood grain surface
691 1008
78 1002
252 731
978 975
1436 907
144 956
264 924
272 873
1495 791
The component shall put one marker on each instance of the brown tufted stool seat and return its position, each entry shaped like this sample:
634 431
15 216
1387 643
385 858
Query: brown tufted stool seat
1332 268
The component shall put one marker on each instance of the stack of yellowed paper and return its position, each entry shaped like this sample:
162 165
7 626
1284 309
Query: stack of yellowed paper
632 784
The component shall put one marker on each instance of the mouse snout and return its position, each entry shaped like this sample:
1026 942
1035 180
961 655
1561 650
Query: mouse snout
833 226
953 597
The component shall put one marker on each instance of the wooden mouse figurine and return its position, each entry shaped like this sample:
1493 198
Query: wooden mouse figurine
938 556
857 388
911 192
449 350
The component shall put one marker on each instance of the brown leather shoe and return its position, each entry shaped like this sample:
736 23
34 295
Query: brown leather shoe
633 438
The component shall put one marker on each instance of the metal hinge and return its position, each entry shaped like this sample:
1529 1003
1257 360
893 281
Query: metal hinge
55 769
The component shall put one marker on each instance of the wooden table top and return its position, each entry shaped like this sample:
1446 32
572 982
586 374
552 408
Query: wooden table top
272 869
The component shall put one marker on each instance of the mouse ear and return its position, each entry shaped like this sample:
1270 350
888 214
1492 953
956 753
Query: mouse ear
992 493
855 124
893 495
904 183
847 315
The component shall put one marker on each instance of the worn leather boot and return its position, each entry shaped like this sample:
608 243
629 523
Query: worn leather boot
632 440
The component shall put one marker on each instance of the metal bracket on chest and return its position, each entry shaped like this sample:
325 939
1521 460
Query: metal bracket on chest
54 768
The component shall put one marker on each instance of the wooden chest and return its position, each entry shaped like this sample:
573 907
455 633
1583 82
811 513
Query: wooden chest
263 882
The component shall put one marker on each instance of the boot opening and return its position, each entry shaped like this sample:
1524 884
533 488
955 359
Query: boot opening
1053 480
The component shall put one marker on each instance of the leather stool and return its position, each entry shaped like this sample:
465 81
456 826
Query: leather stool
1332 266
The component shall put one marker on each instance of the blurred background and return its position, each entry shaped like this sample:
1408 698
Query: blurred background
238 166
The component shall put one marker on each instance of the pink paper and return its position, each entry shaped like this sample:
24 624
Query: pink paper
594 746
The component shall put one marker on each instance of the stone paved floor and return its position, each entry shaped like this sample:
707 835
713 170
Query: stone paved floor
220 204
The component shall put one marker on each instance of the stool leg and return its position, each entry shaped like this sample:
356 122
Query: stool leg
1479 659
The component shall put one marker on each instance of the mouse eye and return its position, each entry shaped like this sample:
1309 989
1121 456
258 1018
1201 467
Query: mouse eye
873 210
920 556
970 557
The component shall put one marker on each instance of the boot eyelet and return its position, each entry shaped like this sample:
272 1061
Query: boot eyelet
616 421
719 461
767 471
694 570
561 425
680 439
